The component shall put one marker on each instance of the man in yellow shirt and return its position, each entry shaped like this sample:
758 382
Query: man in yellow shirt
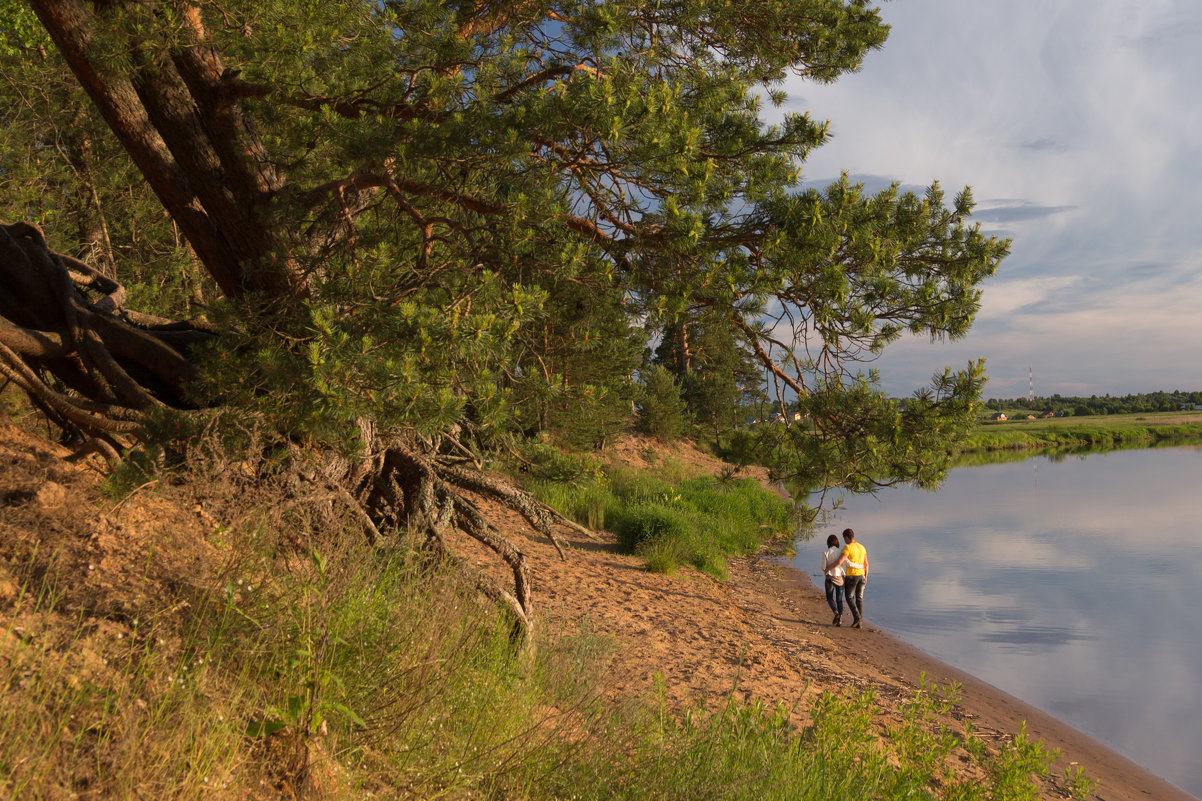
854 559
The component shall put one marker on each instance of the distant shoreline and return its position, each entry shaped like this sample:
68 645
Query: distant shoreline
1059 433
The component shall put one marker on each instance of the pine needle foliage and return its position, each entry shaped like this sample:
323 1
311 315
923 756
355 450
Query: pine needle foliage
472 219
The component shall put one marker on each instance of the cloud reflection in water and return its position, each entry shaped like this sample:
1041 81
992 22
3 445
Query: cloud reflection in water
1074 584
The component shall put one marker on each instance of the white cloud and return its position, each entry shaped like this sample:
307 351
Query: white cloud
1001 299
1075 123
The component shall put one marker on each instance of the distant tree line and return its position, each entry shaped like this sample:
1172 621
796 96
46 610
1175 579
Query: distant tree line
1069 405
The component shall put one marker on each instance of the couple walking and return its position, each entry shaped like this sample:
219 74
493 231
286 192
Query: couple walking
846 574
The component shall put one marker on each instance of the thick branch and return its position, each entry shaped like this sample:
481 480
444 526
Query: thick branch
753 337
27 342
49 327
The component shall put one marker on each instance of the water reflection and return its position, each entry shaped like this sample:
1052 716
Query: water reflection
1073 583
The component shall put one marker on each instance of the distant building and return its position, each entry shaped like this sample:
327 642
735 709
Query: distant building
999 416
1191 407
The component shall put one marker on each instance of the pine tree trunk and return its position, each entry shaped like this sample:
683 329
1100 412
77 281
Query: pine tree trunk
179 121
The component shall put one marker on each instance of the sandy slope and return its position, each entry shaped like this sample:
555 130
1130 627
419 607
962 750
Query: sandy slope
765 634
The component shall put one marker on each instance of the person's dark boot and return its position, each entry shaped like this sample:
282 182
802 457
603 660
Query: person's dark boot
836 622
855 624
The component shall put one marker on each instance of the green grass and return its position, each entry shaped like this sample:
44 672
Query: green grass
1082 432
107 710
696 521
362 672
753 753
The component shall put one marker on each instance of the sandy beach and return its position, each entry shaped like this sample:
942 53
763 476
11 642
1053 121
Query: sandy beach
766 635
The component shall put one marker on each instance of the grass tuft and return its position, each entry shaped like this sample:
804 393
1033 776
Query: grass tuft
696 521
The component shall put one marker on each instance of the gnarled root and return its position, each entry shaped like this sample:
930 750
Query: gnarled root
409 489
537 514
65 339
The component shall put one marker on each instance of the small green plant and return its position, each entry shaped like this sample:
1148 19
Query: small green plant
306 710
926 747
1014 770
1077 782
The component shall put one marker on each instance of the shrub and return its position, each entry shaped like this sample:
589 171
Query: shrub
699 521
663 554
589 501
646 522
662 411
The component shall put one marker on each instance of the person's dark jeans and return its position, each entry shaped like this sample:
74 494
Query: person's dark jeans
853 588
834 595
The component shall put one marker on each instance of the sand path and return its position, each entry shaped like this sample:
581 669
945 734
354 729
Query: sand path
766 635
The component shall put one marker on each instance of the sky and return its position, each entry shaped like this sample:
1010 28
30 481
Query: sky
1078 126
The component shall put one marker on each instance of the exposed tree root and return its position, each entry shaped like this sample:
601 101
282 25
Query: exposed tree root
95 368
82 358
409 489
537 514
96 445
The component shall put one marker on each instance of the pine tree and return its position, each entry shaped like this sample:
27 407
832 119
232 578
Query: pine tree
405 221
717 371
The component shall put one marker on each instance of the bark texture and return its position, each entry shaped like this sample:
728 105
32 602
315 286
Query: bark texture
178 118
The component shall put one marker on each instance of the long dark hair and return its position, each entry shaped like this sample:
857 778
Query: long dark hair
832 541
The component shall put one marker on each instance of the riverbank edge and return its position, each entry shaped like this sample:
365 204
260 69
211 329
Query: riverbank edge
1118 778
784 642
1127 431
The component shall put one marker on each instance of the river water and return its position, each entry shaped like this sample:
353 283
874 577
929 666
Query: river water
1073 583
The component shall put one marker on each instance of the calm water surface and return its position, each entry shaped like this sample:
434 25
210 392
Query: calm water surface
1073 583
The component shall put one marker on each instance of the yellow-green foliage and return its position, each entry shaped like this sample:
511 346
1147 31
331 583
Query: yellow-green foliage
698 521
